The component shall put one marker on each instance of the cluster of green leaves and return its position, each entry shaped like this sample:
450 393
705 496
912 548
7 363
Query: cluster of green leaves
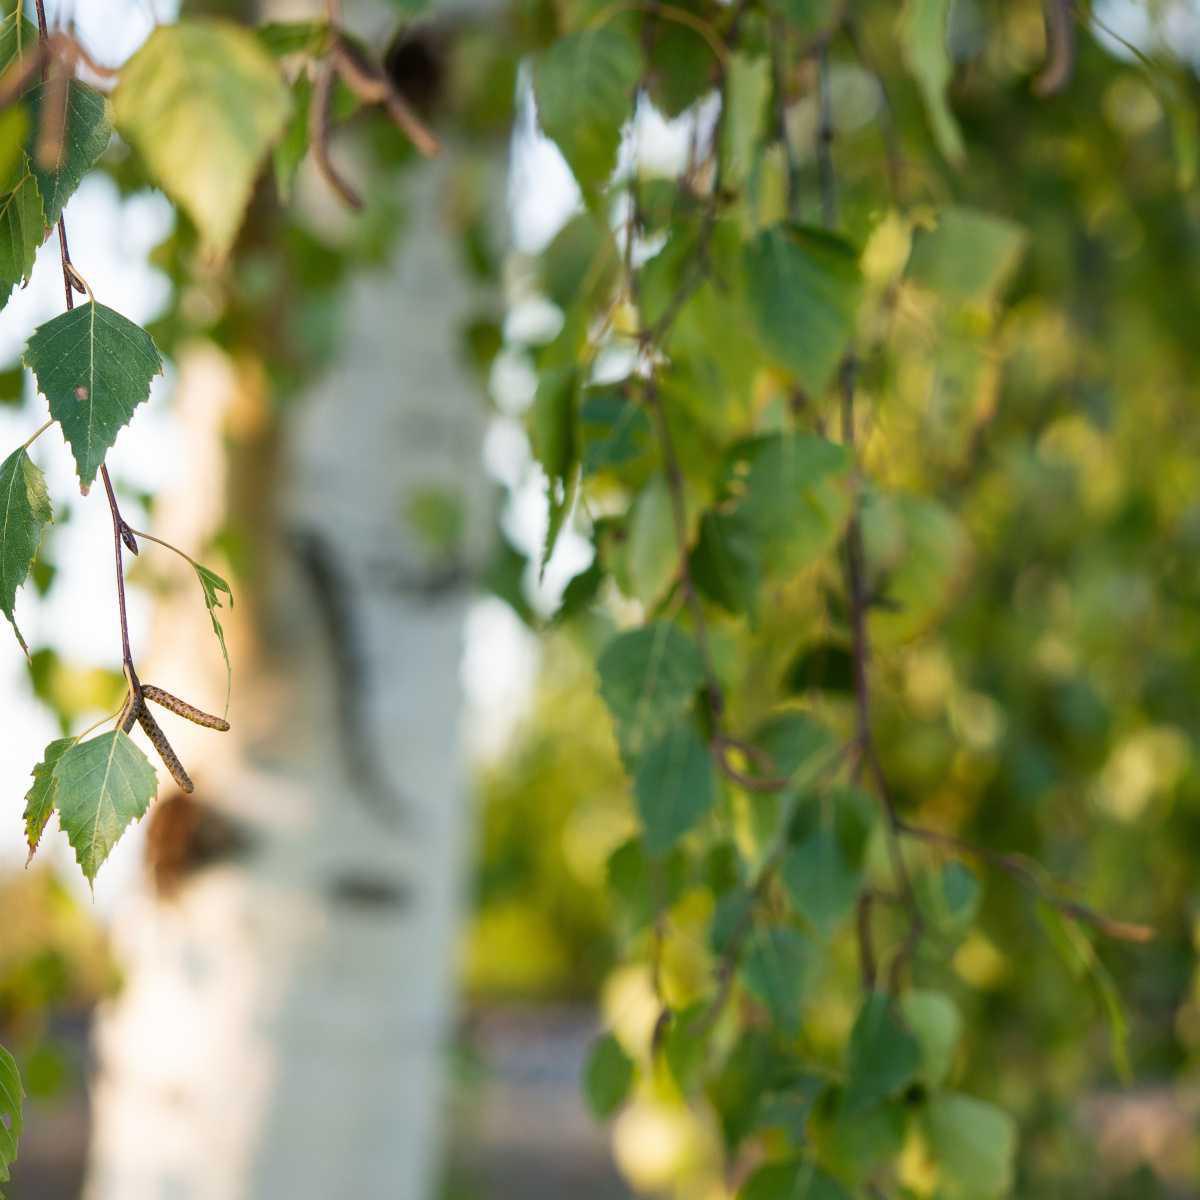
688 421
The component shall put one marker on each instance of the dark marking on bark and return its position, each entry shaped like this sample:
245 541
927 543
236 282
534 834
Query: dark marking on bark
332 592
355 889
184 836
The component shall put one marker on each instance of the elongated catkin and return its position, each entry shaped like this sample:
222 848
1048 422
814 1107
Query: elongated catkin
158 740
183 709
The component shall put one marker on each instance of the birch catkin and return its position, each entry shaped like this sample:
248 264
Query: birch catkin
183 709
158 740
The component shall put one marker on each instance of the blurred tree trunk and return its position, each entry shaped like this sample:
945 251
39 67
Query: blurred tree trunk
290 964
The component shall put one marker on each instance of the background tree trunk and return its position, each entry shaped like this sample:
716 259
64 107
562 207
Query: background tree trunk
290 964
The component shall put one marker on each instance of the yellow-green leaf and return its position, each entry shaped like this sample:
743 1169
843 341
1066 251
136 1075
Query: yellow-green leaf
203 101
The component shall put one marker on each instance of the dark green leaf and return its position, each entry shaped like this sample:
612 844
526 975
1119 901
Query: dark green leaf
86 135
291 148
102 785
648 677
883 1057
584 88
40 799
724 563
24 512
12 1098
822 884
607 1077
94 367
22 229
780 967
804 288
797 745
809 17
674 786
747 88
615 429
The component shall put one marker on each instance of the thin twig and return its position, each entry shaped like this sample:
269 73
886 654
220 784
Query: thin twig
1031 875
855 572
318 134
121 534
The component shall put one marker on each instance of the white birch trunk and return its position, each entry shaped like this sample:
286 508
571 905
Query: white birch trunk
282 1031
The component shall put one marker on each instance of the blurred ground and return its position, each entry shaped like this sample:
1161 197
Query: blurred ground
519 1126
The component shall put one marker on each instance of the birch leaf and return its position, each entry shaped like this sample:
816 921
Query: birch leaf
94 367
86 135
22 228
214 587
203 101
41 797
24 512
102 785
11 1097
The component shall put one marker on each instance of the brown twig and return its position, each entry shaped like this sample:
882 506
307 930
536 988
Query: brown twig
318 134
373 86
1060 48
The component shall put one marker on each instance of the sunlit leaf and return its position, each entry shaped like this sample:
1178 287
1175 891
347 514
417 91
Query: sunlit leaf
102 786
203 101
584 88
974 1145
41 797
214 588
22 228
923 37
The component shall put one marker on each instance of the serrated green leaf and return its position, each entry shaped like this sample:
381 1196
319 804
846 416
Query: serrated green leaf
41 797
94 367
12 1097
607 1077
86 134
822 884
804 288
795 1180
674 786
24 512
923 39
202 101
780 967
937 1026
648 677
974 1144
102 785
214 588
584 89
882 1058
22 229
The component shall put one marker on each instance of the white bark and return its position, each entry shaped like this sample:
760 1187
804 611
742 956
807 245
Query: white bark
283 1026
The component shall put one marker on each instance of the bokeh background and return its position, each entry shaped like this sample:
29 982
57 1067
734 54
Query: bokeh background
1051 694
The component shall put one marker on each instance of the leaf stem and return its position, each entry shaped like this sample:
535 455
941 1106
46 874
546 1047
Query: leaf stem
36 434
167 545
